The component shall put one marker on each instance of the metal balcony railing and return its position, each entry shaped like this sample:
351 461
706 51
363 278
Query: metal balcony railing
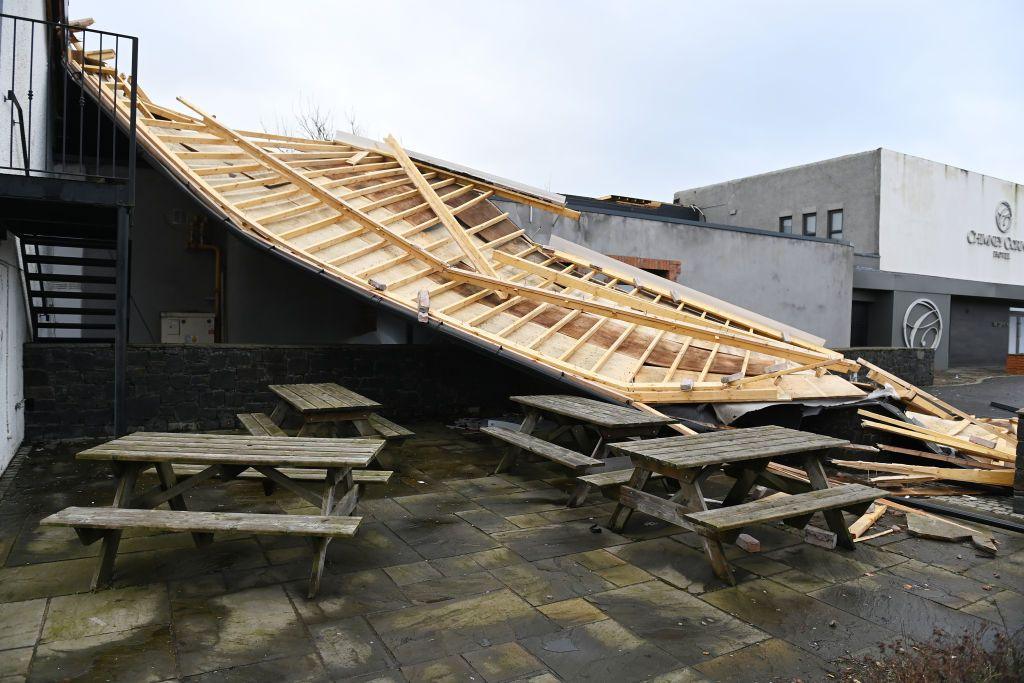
53 79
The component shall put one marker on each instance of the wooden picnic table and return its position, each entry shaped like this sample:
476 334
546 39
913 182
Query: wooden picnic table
224 456
743 454
579 415
328 402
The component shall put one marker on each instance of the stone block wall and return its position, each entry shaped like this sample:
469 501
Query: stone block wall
70 390
916 366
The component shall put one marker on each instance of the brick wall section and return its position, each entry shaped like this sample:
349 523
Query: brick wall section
1015 364
69 387
916 366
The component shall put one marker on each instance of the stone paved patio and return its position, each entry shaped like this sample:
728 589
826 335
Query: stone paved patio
457 575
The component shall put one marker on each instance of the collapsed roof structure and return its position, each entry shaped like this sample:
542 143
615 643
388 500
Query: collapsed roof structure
424 238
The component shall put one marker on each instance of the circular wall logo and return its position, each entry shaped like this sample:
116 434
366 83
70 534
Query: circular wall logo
1004 216
922 325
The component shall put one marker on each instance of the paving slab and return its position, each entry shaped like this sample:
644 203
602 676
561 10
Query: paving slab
452 669
676 563
436 503
373 547
347 595
20 622
572 612
935 583
474 562
482 487
773 660
218 632
601 651
684 675
954 557
801 582
141 568
677 622
305 669
349 647
421 633
1007 572
144 654
562 539
448 587
883 600
105 611
830 565
1005 609
525 502
551 580
443 536
486 521
504 662
46 579
413 572
14 664
799 619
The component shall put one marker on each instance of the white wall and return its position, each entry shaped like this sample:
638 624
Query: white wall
928 212
13 335
27 47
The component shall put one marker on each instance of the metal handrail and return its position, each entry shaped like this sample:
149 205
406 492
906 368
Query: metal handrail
79 141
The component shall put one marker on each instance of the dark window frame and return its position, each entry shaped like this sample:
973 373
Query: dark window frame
782 224
814 232
831 223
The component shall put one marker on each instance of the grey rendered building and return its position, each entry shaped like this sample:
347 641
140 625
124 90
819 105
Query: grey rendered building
938 250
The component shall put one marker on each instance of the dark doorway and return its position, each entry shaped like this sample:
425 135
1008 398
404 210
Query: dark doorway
859 323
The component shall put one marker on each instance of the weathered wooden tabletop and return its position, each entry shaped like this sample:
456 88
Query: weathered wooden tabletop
591 411
233 449
731 445
323 398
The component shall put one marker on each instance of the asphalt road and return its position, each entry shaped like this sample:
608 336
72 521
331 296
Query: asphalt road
975 398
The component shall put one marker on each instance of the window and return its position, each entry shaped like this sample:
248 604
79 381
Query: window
835 224
786 224
810 224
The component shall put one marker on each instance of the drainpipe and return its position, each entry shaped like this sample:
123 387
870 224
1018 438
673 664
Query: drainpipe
197 242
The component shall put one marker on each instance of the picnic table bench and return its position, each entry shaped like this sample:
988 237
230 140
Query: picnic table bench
329 402
224 456
743 454
581 417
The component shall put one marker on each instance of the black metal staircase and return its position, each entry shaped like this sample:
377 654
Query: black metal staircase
70 287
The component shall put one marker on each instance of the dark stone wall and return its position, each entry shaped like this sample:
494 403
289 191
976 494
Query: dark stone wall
916 366
70 391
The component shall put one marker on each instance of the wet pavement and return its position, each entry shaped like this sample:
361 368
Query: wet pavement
975 396
456 575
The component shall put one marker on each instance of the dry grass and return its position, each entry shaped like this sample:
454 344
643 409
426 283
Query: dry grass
944 659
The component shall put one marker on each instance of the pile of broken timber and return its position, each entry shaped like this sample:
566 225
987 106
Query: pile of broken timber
964 449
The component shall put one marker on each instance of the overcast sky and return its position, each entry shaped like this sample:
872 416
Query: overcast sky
635 98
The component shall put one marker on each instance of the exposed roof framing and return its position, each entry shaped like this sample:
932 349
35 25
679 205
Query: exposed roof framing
397 228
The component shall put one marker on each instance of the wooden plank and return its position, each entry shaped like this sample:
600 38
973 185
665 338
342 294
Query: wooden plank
591 411
975 476
259 424
177 520
783 507
660 508
543 448
441 210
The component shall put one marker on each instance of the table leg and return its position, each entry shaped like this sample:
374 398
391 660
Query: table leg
508 461
834 518
691 495
320 545
280 412
128 474
305 428
622 512
365 428
744 482
168 479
